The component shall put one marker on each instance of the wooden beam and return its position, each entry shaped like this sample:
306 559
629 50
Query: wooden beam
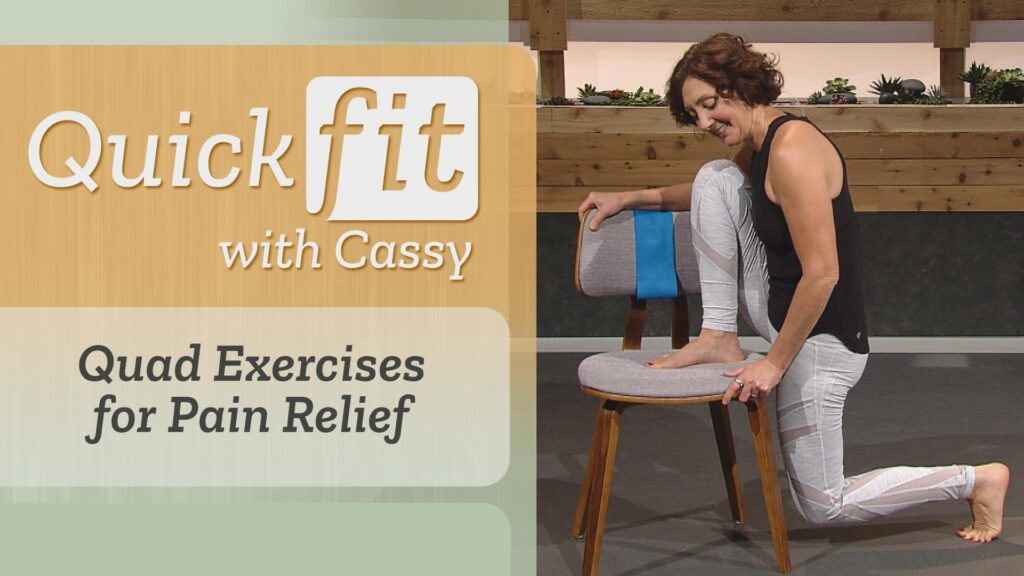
952 27
997 10
547 25
518 10
951 65
548 37
552 73
952 35
750 10
767 10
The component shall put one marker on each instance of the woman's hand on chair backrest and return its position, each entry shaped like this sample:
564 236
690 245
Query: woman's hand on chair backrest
607 204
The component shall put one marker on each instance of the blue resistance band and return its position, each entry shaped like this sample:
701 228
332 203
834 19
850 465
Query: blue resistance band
655 254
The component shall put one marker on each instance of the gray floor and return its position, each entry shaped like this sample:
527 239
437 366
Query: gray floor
668 512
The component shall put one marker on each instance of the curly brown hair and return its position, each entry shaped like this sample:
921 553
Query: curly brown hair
728 63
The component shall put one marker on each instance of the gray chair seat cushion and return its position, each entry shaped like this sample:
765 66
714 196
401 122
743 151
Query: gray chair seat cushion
624 374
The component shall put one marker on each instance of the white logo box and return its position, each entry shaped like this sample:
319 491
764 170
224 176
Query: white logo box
360 193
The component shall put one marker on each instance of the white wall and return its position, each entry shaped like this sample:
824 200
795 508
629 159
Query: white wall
806 66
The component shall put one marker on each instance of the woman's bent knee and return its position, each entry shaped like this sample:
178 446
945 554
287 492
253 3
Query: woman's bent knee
819 514
721 174
719 165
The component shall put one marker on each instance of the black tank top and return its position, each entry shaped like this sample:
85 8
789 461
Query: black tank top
843 316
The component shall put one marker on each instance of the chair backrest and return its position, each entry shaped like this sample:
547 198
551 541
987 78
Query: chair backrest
606 258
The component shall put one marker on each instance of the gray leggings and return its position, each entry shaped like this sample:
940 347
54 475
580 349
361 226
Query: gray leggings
810 398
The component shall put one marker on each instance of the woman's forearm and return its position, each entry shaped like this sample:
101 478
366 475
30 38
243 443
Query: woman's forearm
809 300
675 197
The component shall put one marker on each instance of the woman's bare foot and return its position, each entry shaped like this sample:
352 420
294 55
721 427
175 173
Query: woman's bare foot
990 484
712 346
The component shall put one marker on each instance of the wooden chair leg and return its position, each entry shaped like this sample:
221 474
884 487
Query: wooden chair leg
727 456
611 413
769 482
588 479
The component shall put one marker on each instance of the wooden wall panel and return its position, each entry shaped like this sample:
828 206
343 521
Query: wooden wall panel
615 172
930 144
942 172
640 173
584 119
857 118
682 146
690 146
865 198
544 115
900 158
939 198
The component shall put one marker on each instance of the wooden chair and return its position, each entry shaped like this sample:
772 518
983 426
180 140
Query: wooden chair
605 266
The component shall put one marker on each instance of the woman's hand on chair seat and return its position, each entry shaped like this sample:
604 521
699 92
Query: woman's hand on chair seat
760 377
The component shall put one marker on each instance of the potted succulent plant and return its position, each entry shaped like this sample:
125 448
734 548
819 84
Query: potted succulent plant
815 98
989 90
936 95
1000 87
839 91
1013 84
588 94
974 76
886 89
616 94
646 97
